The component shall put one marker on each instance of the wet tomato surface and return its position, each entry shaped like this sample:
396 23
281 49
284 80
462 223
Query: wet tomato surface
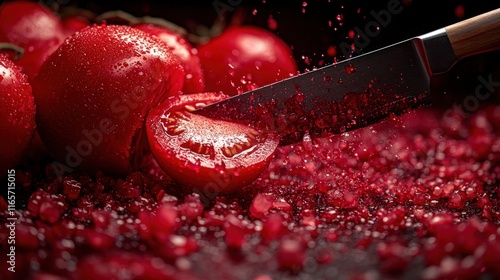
34 28
244 58
17 116
94 92
194 81
207 154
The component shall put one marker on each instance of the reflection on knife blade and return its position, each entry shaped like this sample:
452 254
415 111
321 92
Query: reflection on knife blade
337 98
369 88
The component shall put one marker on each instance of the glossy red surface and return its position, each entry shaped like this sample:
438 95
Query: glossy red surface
205 154
194 81
94 92
17 114
244 58
34 28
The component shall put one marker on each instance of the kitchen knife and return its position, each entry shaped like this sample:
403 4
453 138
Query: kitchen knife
363 90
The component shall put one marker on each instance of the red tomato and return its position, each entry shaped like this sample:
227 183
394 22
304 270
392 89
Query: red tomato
94 92
188 56
74 24
244 58
209 155
17 116
34 28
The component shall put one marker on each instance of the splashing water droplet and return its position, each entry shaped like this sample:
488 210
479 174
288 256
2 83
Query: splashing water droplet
332 51
306 60
271 23
351 34
349 69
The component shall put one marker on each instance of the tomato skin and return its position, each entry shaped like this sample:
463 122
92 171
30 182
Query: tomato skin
17 116
243 58
187 55
34 28
74 24
94 92
195 158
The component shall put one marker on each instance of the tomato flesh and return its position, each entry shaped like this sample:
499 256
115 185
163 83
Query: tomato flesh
206 154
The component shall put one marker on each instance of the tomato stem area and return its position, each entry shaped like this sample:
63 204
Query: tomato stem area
131 20
8 46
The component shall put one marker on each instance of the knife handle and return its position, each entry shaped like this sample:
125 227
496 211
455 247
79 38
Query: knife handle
475 35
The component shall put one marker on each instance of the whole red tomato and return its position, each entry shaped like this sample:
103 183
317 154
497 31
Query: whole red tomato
243 58
32 27
93 94
194 81
210 156
17 116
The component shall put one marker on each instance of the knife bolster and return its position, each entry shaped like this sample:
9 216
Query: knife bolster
438 51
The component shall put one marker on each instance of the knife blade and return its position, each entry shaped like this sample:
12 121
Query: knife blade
360 91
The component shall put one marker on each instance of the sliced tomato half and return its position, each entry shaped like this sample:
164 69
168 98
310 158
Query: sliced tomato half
211 156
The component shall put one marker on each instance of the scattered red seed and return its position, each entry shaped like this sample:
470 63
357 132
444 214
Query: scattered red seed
331 51
459 11
418 191
291 254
